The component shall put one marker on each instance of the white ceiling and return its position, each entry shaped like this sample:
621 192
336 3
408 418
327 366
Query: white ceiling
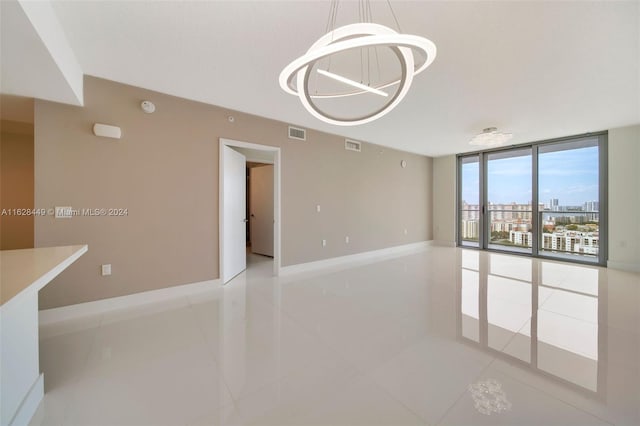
536 69
36 59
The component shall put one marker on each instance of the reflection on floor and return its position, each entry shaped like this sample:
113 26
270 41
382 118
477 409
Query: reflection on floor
447 336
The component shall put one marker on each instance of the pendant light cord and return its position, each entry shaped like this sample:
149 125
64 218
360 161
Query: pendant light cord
331 23
394 16
365 15
375 48
361 18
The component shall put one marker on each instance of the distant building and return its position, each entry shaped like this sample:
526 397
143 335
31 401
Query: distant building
470 211
562 241
592 208
520 238
512 211
515 219
470 230
572 242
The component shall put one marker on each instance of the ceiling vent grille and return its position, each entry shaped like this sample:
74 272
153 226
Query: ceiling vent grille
351 145
297 133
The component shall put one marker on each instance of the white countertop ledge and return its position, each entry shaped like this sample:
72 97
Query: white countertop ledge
28 270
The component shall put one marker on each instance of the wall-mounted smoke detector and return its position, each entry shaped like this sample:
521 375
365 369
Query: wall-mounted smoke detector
490 137
297 133
147 106
351 145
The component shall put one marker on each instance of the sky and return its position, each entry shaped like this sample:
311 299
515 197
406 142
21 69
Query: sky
571 176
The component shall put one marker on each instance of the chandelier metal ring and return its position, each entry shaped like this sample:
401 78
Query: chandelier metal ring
361 35
395 99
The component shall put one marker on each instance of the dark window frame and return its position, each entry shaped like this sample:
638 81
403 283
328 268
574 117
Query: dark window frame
483 243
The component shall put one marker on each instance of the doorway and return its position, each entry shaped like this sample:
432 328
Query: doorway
259 209
234 217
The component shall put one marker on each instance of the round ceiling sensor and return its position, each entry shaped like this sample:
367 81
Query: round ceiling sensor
147 106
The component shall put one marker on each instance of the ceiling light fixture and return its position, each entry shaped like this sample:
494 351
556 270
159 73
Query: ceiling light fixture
352 83
414 54
490 137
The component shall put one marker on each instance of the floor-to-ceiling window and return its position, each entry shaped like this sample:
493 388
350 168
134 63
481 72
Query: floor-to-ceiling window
568 182
508 201
469 225
546 199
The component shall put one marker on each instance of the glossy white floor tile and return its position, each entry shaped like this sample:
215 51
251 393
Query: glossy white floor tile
447 336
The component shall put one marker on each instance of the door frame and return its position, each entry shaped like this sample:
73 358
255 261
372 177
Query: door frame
277 230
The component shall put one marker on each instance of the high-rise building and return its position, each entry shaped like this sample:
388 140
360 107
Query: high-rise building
592 208
553 204
470 230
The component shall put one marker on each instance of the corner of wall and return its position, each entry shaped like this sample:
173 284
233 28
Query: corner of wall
624 197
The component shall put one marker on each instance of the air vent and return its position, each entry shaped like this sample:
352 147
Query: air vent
350 145
297 133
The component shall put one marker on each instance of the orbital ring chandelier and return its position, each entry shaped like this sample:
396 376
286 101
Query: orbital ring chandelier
414 54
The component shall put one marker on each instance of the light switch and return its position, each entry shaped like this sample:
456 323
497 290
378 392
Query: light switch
106 269
318 208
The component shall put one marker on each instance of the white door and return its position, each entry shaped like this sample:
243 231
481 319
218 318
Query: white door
234 256
261 204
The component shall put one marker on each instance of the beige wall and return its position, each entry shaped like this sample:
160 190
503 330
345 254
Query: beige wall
164 170
16 108
16 188
624 197
444 200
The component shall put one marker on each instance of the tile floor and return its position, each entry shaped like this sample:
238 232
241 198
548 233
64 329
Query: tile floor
443 337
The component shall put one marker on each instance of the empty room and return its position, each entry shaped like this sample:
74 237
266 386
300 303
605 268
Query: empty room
355 212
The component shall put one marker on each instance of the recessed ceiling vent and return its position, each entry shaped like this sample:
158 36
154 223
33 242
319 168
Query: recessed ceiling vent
351 145
297 133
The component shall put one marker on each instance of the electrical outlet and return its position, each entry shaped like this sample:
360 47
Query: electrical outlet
346 239
405 231
324 243
318 208
106 269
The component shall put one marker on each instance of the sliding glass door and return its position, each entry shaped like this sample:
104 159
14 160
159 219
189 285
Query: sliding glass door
568 176
546 199
508 224
470 204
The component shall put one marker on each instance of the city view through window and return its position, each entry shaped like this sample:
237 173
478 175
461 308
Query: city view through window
568 194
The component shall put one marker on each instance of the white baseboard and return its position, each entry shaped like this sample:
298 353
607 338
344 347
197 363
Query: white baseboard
623 266
355 259
98 307
104 306
444 243
30 403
